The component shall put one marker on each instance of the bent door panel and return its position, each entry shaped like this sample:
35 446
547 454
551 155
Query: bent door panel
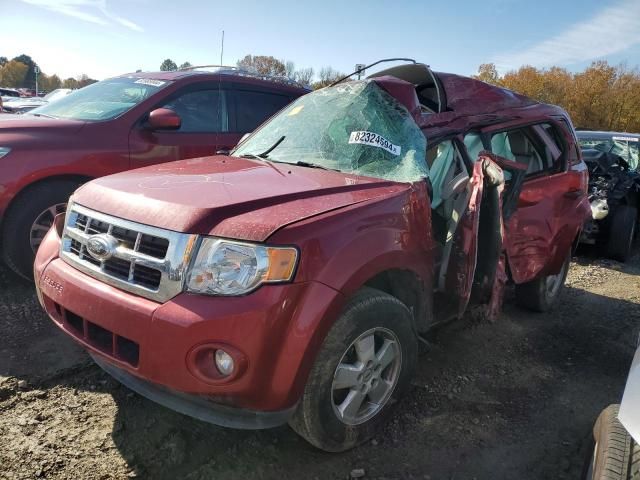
543 227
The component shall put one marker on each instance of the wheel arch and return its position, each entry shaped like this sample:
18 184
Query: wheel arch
42 181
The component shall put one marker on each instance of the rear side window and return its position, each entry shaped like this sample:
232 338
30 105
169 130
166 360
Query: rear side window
253 108
538 147
201 111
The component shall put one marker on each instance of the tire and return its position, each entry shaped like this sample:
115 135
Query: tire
33 204
621 233
541 294
615 455
318 417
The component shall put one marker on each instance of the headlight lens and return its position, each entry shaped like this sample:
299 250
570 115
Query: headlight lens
4 151
225 267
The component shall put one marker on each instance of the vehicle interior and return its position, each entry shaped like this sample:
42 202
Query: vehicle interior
428 89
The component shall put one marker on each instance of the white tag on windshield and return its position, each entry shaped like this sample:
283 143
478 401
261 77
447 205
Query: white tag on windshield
148 81
374 140
626 139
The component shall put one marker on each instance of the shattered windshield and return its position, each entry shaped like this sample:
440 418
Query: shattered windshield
356 128
625 147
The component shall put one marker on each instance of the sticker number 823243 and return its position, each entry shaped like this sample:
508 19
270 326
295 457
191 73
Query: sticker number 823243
375 140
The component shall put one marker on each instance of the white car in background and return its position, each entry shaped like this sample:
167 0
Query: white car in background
23 105
616 455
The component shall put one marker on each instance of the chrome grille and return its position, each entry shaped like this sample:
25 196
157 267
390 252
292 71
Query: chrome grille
147 261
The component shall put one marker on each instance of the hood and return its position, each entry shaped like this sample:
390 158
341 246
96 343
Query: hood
228 196
30 124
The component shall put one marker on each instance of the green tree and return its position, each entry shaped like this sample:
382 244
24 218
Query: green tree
487 72
184 65
30 76
70 83
13 74
168 66
84 80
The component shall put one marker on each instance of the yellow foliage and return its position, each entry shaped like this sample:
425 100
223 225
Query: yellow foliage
602 97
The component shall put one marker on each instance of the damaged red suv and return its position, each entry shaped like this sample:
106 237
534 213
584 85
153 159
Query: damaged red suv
291 281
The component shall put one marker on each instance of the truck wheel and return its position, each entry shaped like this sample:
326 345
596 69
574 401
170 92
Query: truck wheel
365 364
615 455
540 294
29 219
621 233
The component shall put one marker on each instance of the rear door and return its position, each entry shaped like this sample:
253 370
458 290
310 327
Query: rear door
549 213
205 129
251 105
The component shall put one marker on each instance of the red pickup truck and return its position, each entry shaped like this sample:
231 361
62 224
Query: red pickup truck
121 123
292 280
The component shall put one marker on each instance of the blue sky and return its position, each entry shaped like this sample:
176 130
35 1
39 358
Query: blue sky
103 38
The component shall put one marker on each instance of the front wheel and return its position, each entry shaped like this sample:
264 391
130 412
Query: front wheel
29 220
622 232
541 294
365 364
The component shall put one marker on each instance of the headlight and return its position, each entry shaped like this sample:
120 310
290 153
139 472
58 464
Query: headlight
225 267
4 151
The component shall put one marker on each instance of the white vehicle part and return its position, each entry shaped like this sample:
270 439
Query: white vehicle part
599 209
629 414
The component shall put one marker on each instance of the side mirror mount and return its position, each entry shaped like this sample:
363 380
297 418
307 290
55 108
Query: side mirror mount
164 119
244 137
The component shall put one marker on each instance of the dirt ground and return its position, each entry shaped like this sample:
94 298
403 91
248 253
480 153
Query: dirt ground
512 399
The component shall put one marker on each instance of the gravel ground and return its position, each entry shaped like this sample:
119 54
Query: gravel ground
510 399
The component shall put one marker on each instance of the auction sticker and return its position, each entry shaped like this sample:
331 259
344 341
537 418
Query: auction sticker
374 140
148 81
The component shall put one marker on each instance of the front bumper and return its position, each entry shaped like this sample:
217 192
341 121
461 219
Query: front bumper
151 343
194 405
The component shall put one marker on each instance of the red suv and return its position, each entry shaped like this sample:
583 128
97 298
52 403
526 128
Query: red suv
121 123
292 280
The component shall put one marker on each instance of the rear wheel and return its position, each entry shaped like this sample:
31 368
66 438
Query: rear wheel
28 221
366 362
621 233
615 455
541 294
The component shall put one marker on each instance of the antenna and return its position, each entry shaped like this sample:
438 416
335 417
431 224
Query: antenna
222 48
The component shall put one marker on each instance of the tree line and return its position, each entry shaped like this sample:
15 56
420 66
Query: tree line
601 97
20 72
268 65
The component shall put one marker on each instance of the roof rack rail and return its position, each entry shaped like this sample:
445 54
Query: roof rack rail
230 70
196 67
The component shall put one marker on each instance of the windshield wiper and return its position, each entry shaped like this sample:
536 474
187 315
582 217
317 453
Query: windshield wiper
302 163
266 153
42 115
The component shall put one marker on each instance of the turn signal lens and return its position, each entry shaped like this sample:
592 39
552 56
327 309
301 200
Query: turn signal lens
282 262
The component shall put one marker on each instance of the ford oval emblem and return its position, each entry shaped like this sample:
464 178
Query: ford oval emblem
102 246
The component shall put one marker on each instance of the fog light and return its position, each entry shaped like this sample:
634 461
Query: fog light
224 362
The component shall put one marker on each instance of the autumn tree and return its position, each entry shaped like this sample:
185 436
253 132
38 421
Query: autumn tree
168 66
13 74
3 61
601 97
262 64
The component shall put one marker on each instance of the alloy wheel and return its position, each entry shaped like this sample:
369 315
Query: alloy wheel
366 376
